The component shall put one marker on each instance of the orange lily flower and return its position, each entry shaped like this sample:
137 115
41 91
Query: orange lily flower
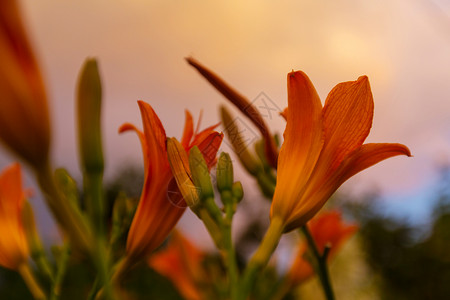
24 117
161 205
14 249
327 230
181 263
322 148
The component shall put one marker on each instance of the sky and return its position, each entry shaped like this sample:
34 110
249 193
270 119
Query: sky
403 46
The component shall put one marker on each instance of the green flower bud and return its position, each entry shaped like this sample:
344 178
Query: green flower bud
224 172
200 173
247 159
237 191
89 98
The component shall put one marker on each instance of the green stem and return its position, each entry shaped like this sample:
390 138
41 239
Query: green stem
61 271
262 255
94 290
103 266
229 253
213 228
31 282
42 263
93 190
67 215
279 290
322 269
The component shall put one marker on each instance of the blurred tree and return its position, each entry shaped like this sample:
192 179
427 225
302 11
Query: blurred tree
410 268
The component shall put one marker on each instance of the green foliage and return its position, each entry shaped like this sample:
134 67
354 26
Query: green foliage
410 268
12 286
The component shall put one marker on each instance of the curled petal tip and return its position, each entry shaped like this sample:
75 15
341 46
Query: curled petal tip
125 127
407 152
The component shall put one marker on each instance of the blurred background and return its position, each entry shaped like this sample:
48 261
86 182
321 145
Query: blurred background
403 46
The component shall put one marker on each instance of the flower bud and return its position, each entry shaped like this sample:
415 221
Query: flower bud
179 164
24 117
224 172
239 146
237 191
89 100
200 173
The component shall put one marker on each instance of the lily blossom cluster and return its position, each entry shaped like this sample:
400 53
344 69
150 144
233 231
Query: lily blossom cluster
323 146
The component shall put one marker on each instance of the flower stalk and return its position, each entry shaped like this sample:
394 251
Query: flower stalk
31 282
321 264
261 257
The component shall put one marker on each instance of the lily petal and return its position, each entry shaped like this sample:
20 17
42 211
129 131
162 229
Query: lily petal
303 140
155 136
130 127
347 119
14 249
366 156
209 147
188 131
362 158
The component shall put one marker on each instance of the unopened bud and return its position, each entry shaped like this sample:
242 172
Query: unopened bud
89 100
200 173
67 186
237 191
224 172
179 164
239 146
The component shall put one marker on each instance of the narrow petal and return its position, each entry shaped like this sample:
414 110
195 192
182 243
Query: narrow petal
188 131
303 140
347 119
13 244
155 137
130 127
11 196
152 124
365 156
200 136
284 113
209 147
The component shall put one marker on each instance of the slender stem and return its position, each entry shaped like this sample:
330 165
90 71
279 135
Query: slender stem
103 267
60 272
213 228
94 290
322 269
31 282
42 263
262 255
280 289
93 189
67 215
229 253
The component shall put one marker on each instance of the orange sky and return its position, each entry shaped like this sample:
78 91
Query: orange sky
402 45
